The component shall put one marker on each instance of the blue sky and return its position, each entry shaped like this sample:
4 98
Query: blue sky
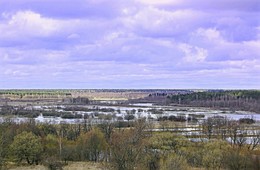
130 44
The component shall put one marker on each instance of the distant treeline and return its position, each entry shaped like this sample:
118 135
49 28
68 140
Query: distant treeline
248 100
24 93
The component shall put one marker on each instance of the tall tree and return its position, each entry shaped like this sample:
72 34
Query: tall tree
27 146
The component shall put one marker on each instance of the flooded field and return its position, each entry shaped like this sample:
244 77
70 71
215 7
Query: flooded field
102 111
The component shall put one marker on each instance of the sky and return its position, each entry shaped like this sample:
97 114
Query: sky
137 44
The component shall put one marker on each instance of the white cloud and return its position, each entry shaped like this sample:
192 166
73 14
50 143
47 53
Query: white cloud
193 54
152 21
28 23
209 34
219 48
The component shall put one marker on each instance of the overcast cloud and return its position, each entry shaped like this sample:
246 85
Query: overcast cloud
130 44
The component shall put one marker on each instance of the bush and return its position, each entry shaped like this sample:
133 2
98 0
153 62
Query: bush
235 160
174 162
246 120
53 164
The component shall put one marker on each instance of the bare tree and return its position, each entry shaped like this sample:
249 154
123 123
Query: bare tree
254 139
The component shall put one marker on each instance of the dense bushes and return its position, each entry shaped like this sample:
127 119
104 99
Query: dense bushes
133 147
247 120
179 118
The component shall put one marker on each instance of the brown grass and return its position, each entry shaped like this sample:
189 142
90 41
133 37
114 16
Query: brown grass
70 166
84 166
38 167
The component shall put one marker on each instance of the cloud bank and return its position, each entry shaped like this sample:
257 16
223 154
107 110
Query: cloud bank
129 44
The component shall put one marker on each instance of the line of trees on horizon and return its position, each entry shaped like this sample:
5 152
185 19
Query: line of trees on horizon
247 100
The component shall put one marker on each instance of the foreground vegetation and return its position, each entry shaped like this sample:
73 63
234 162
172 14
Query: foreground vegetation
136 146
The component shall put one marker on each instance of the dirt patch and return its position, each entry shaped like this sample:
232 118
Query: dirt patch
84 166
38 167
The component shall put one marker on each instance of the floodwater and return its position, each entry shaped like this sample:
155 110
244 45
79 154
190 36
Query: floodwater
139 110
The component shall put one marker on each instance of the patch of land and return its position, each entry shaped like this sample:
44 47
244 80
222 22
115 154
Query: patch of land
70 166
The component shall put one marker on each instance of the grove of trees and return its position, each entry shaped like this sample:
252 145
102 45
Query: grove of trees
134 147
233 99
